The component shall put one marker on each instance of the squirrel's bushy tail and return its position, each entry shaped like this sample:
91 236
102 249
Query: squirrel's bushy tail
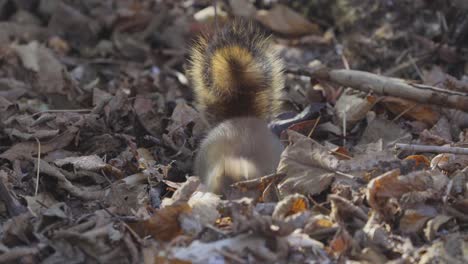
236 73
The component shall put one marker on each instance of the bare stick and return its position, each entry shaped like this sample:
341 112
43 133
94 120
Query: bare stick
314 127
369 82
63 111
255 182
38 165
432 149
344 128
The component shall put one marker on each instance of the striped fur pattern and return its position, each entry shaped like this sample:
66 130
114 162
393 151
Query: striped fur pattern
236 73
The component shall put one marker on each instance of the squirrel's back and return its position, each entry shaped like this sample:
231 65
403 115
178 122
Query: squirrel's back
237 80
236 73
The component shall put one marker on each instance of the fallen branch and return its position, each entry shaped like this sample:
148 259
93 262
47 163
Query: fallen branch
432 149
369 82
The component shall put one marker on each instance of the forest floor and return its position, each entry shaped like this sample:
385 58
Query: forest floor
98 131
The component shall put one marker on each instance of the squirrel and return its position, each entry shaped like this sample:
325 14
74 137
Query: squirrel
237 80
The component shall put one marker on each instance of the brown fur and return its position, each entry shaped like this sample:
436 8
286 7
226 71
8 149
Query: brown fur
237 80
237 149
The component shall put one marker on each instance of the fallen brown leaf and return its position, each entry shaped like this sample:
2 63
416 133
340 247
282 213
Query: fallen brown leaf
164 224
284 20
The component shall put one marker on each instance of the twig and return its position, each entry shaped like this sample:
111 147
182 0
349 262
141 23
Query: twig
345 62
404 112
432 149
349 176
415 66
314 127
426 94
63 111
305 71
274 177
344 128
369 82
38 165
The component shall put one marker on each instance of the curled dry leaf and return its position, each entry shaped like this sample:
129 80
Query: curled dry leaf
393 185
164 225
290 205
145 159
442 129
304 127
290 119
438 251
449 162
429 138
308 166
377 235
320 226
341 242
345 212
433 226
41 60
24 150
414 220
411 110
89 163
302 241
184 192
297 220
353 107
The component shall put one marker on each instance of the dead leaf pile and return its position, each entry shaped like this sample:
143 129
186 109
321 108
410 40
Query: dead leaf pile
98 132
